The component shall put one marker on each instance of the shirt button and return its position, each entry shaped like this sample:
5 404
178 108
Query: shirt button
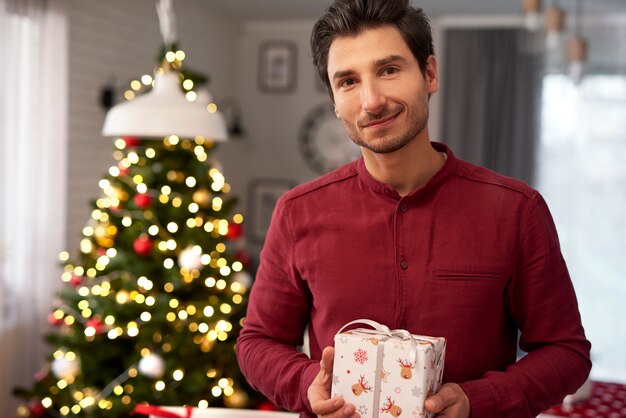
404 264
404 207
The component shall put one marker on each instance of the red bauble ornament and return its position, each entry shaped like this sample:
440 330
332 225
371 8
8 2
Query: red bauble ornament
142 200
52 320
234 231
132 141
267 406
36 409
76 281
143 246
42 373
123 170
96 324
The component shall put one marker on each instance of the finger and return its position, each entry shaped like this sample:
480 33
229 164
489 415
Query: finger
432 405
346 411
327 406
334 408
441 400
326 363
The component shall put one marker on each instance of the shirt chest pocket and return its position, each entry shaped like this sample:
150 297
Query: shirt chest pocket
473 294
468 277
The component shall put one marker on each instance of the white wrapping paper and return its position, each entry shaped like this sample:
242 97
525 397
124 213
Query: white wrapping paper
383 371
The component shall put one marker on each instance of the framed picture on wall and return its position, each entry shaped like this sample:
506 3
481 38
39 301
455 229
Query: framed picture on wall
277 66
262 197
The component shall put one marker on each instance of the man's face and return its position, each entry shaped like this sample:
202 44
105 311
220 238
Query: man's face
380 93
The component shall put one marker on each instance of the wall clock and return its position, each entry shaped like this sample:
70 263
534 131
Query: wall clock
324 143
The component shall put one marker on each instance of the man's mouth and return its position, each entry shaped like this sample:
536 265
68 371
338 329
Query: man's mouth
379 122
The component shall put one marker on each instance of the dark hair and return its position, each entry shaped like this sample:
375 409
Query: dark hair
351 17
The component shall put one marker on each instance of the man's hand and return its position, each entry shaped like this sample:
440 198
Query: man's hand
451 401
319 392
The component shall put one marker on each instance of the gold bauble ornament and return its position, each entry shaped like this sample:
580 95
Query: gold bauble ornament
22 412
202 197
239 399
104 234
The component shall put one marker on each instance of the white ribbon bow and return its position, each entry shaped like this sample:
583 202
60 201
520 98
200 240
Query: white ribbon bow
379 329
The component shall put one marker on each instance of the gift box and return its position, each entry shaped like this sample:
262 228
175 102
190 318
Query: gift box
384 371
189 412
605 400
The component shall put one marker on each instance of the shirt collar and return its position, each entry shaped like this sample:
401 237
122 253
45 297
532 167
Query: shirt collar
440 176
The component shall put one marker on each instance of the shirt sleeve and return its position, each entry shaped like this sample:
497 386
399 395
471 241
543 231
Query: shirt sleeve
542 302
278 311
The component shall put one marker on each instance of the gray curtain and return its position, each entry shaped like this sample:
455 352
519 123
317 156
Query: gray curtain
491 94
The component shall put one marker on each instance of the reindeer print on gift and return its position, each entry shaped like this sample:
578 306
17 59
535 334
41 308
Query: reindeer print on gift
361 386
391 407
405 368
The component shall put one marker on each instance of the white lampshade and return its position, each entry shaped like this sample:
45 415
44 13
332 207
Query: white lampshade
554 23
532 14
577 55
164 111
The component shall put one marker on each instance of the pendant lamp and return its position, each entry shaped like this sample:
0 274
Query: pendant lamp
554 23
577 55
165 110
532 14
577 48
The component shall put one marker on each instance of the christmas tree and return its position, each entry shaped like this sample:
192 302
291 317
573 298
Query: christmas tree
154 301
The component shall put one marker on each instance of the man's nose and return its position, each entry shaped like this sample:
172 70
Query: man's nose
373 98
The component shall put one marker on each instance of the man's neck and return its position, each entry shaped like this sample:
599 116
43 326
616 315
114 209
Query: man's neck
407 169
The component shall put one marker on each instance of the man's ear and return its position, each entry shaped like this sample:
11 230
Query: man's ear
431 77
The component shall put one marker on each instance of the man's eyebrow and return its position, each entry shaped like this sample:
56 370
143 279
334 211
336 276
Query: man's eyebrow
388 60
342 73
377 63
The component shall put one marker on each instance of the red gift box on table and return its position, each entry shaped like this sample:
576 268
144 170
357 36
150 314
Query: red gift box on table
607 400
189 412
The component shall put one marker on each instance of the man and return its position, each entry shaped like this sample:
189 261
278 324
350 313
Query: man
413 238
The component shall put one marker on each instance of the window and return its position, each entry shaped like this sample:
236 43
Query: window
582 175
33 119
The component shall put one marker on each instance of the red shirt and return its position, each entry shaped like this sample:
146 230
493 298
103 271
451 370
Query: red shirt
471 256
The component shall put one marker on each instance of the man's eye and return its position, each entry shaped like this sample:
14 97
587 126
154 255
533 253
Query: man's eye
346 83
390 70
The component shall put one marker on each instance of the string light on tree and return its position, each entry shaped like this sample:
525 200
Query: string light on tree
191 258
65 366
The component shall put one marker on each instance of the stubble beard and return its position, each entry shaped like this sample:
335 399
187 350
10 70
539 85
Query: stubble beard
382 143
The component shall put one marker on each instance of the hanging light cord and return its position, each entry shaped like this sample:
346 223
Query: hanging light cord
578 12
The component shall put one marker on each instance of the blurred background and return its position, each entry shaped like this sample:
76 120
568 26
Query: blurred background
535 90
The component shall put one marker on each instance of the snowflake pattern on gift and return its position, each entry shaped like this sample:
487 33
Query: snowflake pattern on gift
398 390
398 345
362 410
417 391
360 356
418 413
